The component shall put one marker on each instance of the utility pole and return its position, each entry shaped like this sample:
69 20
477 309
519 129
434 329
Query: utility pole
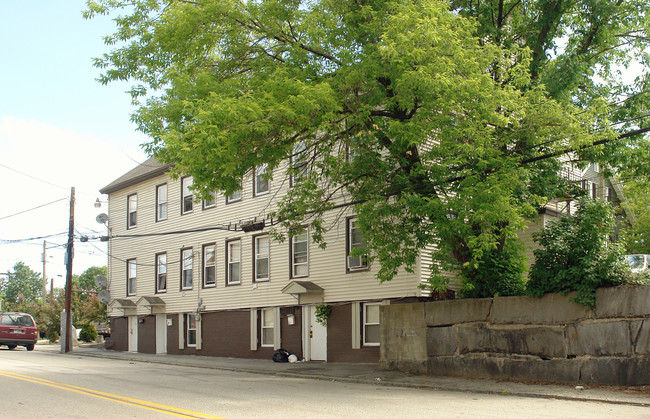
68 277
44 275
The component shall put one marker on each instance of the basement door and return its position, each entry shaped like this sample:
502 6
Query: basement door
133 333
316 337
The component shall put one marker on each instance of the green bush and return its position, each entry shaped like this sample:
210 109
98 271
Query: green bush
88 333
577 254
52 335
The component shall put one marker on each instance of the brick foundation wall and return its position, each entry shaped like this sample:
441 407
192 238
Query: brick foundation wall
147 334
339 338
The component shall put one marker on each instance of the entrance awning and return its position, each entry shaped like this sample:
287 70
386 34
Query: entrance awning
305 291
155 304
128 307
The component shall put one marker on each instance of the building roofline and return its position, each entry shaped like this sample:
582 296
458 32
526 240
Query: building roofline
150 168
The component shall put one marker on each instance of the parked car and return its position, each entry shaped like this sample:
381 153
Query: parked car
18 329
638 263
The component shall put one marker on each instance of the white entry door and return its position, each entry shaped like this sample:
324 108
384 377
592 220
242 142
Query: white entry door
317 338
133 333
161 333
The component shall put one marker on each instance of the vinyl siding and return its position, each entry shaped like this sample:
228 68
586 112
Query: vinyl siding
327 267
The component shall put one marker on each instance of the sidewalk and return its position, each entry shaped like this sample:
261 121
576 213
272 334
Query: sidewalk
371 374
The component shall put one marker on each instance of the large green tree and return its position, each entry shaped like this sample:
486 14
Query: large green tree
443 125
21 286
637 205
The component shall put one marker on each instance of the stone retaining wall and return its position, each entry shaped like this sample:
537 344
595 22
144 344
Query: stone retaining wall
546 339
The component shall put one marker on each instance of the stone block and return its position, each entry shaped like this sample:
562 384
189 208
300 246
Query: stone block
599 339
548 371
640 331
473 338
616 371
412 367
626 301
442 341
464 366
545 341
403 332
445 313
549 309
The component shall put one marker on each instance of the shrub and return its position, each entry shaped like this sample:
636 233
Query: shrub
577 254
52 336
88 333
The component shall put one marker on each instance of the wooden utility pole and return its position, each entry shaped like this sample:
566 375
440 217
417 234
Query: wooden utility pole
68 277
44 275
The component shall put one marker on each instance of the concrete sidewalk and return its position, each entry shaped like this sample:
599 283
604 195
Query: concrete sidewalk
371 374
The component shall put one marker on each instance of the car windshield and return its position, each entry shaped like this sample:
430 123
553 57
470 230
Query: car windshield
636 261
16 320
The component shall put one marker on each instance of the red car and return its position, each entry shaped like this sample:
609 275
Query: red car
18 329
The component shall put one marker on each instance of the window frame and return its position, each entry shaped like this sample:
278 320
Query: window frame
267 314
292 262
229 262
365 324
189 329
213 265
131 208
131 280
189 197
162 204
185 287
303 162
363 260
159 289
256 258
205 204
261 171
230 199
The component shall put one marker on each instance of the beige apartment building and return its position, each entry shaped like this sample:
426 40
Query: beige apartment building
189 276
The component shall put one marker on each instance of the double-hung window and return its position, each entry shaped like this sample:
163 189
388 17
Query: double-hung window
261 182
234 197
161 272
210 202
371 324
261 252
132 210
299 255
191 330
161 202
209 266
299 163
233 257
187 262
187 194
356 243
131 274
268 324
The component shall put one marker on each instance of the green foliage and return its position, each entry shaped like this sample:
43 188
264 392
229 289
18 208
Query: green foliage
323 313
457 114
88 332
637 205
52 335
577 255
21 286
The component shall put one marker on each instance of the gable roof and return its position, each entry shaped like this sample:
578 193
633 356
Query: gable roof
146 170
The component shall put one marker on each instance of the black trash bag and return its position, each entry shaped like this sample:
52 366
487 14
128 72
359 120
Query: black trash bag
281 355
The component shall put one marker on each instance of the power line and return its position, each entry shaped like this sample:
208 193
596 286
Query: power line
32 209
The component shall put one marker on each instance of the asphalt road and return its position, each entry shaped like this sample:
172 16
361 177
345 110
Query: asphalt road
42 384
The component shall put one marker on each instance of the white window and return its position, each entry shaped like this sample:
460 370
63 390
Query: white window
355 240
132 210
209 266
299 255
191 330
161 272
268 324
371 324
299 163
131 274
608 194
187 264
261 244
210 202
234 197
187 194
233 250
261 183
161 202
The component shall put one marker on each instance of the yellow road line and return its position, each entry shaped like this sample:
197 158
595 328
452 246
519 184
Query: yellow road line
161 408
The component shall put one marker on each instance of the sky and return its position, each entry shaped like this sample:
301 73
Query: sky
59 128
